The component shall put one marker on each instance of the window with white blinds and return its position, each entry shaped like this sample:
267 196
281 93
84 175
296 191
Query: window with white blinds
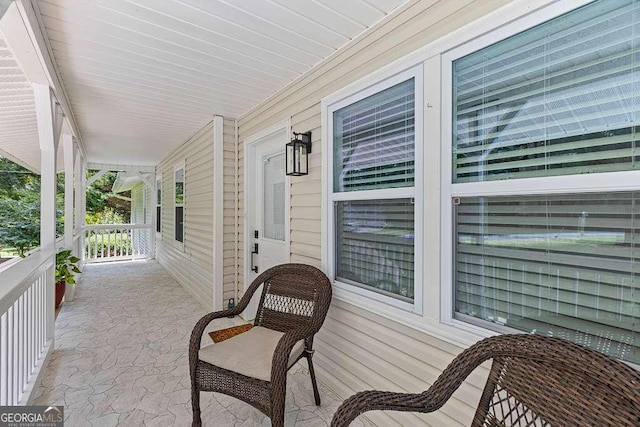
558 99
374 245
562 265
555 257
374 141
371 190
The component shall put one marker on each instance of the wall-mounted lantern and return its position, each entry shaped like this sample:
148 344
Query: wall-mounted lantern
297 153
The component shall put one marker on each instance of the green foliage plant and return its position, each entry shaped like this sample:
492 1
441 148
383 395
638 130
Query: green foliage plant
66 267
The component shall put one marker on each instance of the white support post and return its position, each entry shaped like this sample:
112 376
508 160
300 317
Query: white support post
83 206
78 194
69 152
218 213
49 119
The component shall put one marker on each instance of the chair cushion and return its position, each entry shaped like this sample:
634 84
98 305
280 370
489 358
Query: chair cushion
249 353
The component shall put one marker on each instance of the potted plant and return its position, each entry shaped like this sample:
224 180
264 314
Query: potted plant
66 268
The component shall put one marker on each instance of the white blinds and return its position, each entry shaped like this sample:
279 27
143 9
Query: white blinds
563 265
561 98
375 245
374 141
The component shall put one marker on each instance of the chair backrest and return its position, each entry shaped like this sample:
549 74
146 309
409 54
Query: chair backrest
293 296
539 381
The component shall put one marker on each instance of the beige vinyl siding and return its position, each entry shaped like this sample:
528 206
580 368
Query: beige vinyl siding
190 264
230 231
141 237
356 349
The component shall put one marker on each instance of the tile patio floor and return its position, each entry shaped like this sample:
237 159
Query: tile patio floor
120 358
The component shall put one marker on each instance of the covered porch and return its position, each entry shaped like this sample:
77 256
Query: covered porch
445 199
120 357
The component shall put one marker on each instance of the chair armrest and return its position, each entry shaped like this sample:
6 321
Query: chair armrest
373 400
198 330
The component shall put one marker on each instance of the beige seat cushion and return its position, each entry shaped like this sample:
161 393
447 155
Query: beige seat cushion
249 353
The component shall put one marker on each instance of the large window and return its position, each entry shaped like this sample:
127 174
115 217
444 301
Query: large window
179 202
372 205
532 251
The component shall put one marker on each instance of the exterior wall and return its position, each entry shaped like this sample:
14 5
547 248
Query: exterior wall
357 349
190 264
141 238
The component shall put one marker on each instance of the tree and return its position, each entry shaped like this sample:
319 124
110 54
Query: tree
20 207
20 219
100 199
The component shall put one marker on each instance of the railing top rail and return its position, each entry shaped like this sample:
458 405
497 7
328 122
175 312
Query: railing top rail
15 279
116 226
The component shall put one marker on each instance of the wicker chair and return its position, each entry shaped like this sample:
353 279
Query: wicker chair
533 381
253 366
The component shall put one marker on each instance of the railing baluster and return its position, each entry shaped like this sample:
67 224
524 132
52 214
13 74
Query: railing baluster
30 310
21 368
120 241
4 362
10 360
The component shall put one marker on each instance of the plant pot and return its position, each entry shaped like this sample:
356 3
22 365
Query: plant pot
69 293
60 287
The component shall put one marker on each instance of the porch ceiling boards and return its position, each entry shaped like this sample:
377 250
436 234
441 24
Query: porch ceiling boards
143 75
18 128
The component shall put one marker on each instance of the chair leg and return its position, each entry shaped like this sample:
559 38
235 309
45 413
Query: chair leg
312 372
195 407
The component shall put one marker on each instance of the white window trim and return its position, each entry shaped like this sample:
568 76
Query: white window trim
587 183
362 297
180 165
158 221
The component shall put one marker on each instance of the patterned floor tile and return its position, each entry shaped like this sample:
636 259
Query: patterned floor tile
120 357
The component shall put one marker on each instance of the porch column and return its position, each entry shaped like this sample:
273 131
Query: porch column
83 206
49 119
78 196
69 178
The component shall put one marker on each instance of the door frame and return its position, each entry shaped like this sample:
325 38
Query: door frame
249 159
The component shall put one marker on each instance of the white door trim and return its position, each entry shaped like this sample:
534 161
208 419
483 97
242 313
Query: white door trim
249 149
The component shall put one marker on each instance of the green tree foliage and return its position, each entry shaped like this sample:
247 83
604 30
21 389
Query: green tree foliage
20 207
20 222
101 202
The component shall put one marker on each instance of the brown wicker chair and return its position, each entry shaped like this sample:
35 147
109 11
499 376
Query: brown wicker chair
294 302
533 381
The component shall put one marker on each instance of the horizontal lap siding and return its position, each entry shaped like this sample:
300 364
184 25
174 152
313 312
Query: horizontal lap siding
193 266
356 349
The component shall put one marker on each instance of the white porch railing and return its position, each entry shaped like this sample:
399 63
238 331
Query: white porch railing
116 242
26 325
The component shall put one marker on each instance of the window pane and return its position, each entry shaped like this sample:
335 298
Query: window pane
375 245
558 99
562 265
179 176
273 194
374 138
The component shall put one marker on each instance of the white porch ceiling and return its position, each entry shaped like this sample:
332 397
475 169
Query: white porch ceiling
143 75
18 128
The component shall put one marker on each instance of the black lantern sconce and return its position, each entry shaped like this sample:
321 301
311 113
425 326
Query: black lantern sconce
297 153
